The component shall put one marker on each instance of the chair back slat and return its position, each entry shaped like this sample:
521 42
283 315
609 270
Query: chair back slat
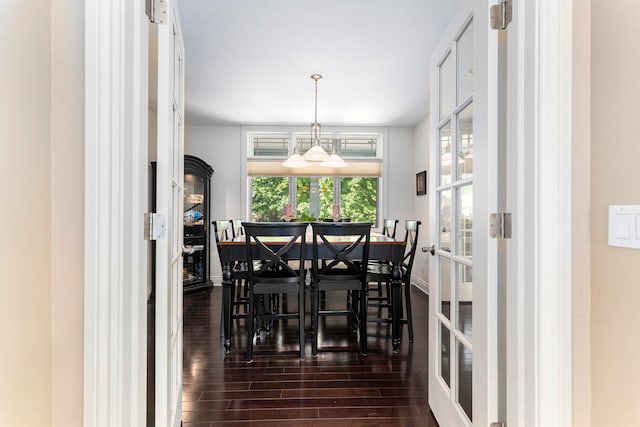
275 254
221 233
236 227
412 228
389 227
343 261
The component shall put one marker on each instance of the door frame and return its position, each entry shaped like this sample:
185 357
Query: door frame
115 199
115 195
549 167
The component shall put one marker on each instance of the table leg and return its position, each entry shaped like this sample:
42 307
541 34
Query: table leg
227 304
396 307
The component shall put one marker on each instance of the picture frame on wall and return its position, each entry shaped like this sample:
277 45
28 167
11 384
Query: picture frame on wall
421 183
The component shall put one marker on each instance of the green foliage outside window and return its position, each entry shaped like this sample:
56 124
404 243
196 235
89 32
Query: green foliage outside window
358 199
303 195
270 194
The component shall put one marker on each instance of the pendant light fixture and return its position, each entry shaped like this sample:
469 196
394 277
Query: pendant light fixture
316 153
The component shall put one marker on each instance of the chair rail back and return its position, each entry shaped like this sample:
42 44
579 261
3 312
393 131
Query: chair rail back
221 233
389 227
275 254
412 228
344 261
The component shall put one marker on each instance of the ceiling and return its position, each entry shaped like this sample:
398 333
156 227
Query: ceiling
250 61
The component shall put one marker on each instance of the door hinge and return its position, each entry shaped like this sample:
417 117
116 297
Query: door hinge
498 425
155 226
501 15
157 11
500 225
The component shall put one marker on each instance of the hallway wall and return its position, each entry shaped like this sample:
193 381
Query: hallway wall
421 203
67 211
25 263
615 272
41 223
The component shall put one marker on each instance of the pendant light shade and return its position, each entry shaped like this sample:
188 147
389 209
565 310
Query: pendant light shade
334 161
316 153
295 161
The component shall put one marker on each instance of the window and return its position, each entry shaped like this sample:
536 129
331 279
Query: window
269 146
314 197
314 193
358 198
269 196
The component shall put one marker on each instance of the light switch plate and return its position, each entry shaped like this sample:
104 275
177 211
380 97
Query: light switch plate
624 226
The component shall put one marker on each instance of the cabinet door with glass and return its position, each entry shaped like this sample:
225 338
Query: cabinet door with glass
196 255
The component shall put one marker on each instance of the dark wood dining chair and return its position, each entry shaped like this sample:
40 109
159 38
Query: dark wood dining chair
381 299
389 227
236 228
274 274
221 231
344 248
381 272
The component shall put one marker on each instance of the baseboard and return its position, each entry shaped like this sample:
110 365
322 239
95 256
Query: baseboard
420 284
216 280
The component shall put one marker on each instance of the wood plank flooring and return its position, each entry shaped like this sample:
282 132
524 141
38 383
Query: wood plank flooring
339 387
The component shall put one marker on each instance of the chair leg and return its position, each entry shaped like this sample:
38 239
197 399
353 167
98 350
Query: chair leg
355 310
237 284
388 298
407 298
363 318
301 298
250 327
314 319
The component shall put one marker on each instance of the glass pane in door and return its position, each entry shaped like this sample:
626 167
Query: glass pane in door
445 287
445 154
447 79
445 220
445 354
465 383
465 143
464 49
464 291
464 221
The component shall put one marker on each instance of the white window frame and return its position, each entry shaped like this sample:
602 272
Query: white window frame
294 132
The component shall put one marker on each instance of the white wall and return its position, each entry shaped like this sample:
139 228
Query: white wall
615 272
41 223
420 274
25 217
220 146
67 211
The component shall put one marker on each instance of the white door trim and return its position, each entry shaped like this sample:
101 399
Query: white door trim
553 214
115 199
539 322
169 200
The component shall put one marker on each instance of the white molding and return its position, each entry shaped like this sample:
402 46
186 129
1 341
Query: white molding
115 195
420 284
539 335
553 212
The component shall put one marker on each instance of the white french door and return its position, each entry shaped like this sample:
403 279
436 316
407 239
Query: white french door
465 333
170 188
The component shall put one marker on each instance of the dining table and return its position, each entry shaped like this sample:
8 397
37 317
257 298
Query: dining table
382 248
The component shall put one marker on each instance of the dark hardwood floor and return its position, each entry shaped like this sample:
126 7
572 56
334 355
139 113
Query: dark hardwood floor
339 387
